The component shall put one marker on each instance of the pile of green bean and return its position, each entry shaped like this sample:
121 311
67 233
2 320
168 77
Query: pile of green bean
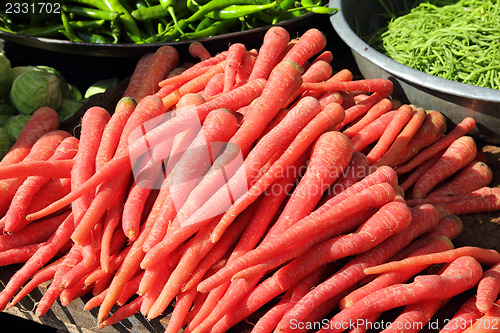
455 40
147 21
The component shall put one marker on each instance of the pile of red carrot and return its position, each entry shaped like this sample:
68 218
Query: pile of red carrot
249 180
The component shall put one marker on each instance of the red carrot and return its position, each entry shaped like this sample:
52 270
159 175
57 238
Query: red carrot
246 67
378 109
361 108
198 50
214 86
465 316
163 61
393 277
330 97
323 122
138 74
467 125
123 312
313 225
403 115
484 256
45 169
419 171
235 54
402 140
274 44
488 323
330 156
463 273
357 86
181 309
471 204
488 289
42 150
309 44
113 130
41 122
33 233
431 130
371 132
19 255
472 177
41 256
459 154
345 278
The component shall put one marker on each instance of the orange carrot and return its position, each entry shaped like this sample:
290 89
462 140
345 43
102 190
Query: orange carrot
361 108
484 256
465 316
19 255
462 274
371 132
382 86
198 50
323 122
467 125
402 139
138 74
274 44
403 115
419 171
488 323
459 154
378 109
235 54
471 204
309 44
42 121
472 177
433 127
214 86
488 289
46 169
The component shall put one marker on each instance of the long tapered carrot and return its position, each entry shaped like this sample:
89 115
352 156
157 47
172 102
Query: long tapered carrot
363 85
431 130
235 54
137 75
378 109
402 139
345 278
465 126
163 61
131 262
458 155
471 204
484 256
273 45
112 132
474 176
320 222
323 122
42 121
419 171
198 50
41 256
360 108
389 278
46 169
488 289
403 115
371 132
463 273
42 150
309 44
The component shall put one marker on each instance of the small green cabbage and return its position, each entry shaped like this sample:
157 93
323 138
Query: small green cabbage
5 143
6 112
68 108
6 77
15 125
34 89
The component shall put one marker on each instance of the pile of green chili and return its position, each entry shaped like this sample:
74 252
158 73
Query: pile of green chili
455 40
146 21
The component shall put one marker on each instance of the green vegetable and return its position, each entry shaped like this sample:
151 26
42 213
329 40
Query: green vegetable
72 92
37 88
15 125
101 86
6 112
155 21
68 108
455 40
5 76
5 143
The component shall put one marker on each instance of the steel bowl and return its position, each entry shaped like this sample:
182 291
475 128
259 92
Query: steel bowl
454 99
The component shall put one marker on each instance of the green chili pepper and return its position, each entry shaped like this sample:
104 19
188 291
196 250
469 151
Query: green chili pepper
90 12
51 31
128 21
215 5
237 11
214 29
68 29
317 8
99 4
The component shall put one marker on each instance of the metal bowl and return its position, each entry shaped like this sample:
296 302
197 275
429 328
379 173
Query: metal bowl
455 100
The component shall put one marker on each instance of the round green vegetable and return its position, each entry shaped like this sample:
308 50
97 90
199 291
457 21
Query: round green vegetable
15 125
5 76
5 142
37 88
68 108
6 112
